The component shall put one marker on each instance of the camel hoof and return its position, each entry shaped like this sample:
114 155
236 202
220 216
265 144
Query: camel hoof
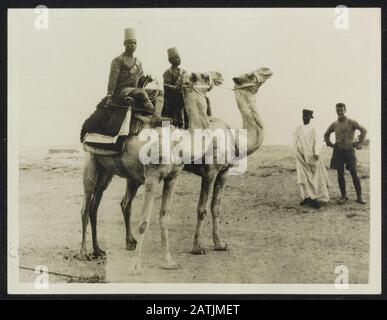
171 266
131 245
135 268
221 248
135 271
83 256
198 251
98 253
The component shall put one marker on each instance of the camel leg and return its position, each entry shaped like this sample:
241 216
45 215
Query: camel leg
90 177
168 190
104 179
208 180
151 184
126 207
220 183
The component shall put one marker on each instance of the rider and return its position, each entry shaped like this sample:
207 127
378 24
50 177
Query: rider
174 101
125 72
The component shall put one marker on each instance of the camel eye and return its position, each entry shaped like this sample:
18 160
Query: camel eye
237 80
186 78
194 77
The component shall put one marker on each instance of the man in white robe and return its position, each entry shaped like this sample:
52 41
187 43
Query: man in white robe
311 173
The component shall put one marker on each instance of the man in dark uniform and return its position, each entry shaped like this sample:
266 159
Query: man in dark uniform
174 101
344 150
125 72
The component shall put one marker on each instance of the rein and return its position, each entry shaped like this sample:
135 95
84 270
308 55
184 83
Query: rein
194 87
211 85
148 80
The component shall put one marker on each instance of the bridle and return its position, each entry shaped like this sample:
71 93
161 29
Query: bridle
196 87
248 85
208 86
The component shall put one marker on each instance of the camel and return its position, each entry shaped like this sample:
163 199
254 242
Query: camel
214 176
99 170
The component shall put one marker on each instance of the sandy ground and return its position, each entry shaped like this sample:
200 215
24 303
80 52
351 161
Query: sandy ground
271 238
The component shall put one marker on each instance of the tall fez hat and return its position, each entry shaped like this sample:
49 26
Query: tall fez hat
307 113
172 52
129 34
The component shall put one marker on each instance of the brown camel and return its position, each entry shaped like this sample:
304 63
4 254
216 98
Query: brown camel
214 176
99 170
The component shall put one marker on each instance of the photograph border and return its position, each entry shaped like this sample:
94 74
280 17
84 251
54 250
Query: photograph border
9 133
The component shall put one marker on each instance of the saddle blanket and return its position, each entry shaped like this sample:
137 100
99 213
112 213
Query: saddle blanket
104 120
104 139
99 142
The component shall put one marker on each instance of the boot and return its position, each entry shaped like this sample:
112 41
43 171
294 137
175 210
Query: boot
148 107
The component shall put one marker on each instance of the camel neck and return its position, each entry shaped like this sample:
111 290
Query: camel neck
196 106
252 122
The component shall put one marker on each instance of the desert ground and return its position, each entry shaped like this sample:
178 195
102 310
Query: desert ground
271 238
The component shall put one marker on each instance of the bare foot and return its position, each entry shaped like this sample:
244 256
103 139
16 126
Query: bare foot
198 250
221 248
342 200
360 200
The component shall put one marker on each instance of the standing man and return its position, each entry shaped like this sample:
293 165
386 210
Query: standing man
311 173
344 150
125 72
174 101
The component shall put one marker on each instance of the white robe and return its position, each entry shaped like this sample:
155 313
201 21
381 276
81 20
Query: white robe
312 176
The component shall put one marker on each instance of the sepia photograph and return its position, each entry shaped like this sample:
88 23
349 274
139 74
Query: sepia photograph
194 150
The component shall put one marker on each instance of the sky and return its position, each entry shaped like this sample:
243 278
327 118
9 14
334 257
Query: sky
57 76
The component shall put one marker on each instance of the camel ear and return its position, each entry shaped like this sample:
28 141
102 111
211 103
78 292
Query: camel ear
237 80
217 77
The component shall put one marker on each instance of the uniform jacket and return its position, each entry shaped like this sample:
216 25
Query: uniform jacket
173 98
124 72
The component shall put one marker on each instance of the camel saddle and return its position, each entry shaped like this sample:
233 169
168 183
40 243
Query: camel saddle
106 130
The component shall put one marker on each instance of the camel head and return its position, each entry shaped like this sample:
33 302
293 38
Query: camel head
251 81
203 81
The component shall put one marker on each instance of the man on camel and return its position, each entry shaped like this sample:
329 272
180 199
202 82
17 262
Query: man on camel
125 72
174 100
